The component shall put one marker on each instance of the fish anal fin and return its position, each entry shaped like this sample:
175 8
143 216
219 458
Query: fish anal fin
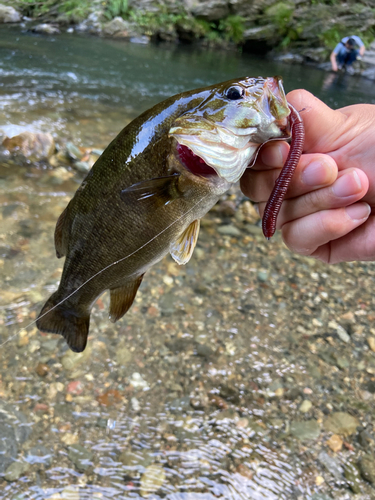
122 298
55 318
60 242
182 249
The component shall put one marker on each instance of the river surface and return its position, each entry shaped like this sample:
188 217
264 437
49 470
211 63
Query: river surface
247 374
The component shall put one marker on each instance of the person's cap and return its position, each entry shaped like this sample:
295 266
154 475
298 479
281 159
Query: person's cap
351 42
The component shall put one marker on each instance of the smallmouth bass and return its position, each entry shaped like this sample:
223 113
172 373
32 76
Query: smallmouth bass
146 194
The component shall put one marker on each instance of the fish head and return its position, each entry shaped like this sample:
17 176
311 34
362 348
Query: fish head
223 133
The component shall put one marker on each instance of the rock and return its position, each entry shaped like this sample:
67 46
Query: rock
366 440
93 24
42 369
39 454
80 457
305 406
262 275
46 29
71 359
331 465
229 230
367 468
123 355
341 423
180 405
138 382
9 14
119 26
81 166
210 10
371 343
305 430
152 479
16 470
33 147
141 458
13 432
335 443
352 476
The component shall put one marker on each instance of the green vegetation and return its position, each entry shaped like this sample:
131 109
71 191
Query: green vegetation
287 26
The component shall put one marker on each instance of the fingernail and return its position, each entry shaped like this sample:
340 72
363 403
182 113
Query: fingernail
347 185
316 174
358 211
272 156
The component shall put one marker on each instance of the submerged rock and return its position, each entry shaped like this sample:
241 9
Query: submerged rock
341 423
33 147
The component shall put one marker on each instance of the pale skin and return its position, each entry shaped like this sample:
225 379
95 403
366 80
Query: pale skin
329 210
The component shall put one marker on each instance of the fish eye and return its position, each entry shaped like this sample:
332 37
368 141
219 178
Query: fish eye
234 93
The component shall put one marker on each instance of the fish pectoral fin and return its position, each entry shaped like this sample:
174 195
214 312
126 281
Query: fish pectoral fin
122 298
182 249
160 190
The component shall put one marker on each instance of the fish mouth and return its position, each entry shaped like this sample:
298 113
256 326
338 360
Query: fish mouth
215 151
194 163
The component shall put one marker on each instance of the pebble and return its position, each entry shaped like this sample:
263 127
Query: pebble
305 406
305 430
39 454
352 476
138 382
123 355
333 467
16 470
229 230
341 423
80 457
367 468
371 343
152 479
42 369
335 443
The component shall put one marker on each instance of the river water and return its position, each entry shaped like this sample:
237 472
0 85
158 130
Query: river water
229 376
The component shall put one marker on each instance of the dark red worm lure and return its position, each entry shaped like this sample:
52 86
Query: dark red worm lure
282 183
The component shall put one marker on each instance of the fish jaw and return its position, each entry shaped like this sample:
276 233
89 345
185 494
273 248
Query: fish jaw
227 134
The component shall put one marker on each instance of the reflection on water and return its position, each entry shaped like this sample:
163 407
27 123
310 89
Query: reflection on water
228 376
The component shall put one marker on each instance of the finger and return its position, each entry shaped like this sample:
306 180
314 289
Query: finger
306 235
271 155
324 127
312 172
357 245
350 187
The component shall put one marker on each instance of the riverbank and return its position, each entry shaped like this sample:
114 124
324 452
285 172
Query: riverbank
295 31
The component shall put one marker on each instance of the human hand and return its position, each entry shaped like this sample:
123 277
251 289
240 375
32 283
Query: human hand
326 213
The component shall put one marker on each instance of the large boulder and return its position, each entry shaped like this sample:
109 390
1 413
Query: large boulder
9 14
119 27
33 147
46 29
210 10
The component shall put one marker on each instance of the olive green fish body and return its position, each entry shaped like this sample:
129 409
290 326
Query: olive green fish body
145 195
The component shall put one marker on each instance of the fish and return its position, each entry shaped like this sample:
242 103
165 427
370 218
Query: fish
145 195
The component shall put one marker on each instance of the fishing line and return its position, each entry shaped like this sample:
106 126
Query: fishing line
102 271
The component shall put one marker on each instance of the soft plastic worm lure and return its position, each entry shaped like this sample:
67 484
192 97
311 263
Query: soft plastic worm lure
282 183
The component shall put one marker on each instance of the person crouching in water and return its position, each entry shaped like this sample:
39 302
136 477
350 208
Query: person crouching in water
346 52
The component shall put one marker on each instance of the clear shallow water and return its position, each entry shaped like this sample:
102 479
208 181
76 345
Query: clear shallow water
199 388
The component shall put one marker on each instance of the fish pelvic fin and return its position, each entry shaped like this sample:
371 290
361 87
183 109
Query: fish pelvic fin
61 243
66 322
182 249
122 298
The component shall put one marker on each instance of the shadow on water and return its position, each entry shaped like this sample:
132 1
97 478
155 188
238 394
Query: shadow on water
228 376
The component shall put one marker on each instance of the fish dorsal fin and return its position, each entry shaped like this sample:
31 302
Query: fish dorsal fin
122 298
182 249
61 243
161 190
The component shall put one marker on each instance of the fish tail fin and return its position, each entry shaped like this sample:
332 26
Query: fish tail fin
55 318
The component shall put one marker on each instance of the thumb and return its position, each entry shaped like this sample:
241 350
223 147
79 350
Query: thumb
323 125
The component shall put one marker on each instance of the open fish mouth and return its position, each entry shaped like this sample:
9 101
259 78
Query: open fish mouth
214 150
